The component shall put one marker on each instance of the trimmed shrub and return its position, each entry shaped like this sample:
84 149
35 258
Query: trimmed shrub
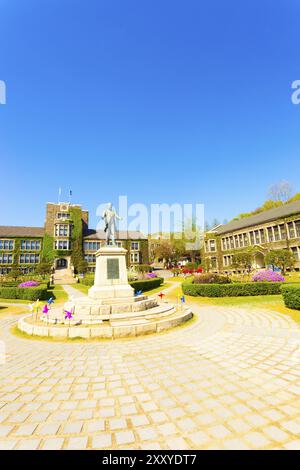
29 293
268 276
291 296
211 278
141 284
146 284
87 281
232 290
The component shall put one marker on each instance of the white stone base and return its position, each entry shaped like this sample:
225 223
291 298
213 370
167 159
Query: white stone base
114 293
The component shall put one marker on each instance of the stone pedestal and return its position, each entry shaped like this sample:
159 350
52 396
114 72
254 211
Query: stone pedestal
111 281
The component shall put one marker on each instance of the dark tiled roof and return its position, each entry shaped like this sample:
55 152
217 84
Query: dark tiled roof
121 235
10 231
285 210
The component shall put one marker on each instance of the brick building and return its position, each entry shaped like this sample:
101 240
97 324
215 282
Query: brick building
65 227
275 229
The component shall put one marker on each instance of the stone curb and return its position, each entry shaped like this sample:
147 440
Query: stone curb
104 331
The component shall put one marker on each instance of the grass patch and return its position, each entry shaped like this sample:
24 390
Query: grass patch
82 288
10 310
58 293
15 301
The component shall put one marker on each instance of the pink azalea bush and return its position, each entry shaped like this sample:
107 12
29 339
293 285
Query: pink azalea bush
29 284
268 276
151 275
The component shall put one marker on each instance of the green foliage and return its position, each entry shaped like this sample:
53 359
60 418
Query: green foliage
48 252
281 258
25 293
242 260
211 278
143 268
291 296
14 273
146 284
44 268
231 290
77 239
143 284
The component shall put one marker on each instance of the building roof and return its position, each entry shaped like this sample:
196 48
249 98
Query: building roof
285 210
11 231
121 235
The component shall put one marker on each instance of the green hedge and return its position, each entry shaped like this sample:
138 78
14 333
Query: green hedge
146 284
232 290
24 293
142 284
291 296
87 281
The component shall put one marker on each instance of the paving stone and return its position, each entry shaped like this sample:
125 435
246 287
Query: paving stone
102 441
77 443
124 437
29 444
73 427
55 443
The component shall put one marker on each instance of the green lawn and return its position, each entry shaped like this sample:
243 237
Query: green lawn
58 293
84 289
11 309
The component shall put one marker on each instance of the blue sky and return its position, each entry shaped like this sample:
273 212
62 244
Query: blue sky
162 100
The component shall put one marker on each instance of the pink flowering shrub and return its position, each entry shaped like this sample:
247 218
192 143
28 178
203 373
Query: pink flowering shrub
268 276
29 284
151 275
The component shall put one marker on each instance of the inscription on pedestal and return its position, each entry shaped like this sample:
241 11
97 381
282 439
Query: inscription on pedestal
113 270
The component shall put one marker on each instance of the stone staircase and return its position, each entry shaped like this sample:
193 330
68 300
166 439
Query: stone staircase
64 276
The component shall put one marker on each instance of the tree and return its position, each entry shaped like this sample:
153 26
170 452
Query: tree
82 266
281 191
283 259
14 273
243 260
44 268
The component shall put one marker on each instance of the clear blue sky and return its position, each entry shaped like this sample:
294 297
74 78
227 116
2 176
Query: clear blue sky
161 100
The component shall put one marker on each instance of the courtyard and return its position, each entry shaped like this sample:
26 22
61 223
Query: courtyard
228 379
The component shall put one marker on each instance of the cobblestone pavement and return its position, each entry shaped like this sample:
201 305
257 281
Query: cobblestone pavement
229 380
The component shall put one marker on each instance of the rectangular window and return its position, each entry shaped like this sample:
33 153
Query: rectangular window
246 239
252 238
4 271
296 252
257 237
213 262
282 231
32 245
63 215
212 245
297 225
6 258
262 235
135 245
29 258
90 258
291 228
62 245
134 257
92 246
224 244
276 233
7 245
270 234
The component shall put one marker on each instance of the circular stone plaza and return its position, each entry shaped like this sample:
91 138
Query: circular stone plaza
228 379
